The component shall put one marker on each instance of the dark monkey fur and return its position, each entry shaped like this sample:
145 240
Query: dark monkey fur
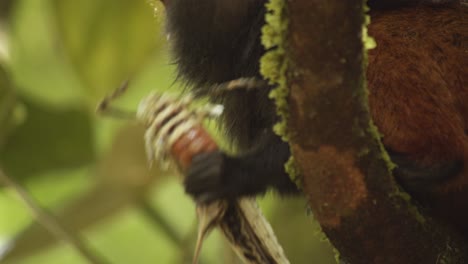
417 77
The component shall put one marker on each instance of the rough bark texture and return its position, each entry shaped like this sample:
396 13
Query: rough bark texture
346 175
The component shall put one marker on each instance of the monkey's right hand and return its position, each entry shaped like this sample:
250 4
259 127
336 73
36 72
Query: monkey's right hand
216 175
204 178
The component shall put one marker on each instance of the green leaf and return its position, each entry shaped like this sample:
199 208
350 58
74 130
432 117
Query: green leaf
7 105
39 68
123 179
49 139
107 41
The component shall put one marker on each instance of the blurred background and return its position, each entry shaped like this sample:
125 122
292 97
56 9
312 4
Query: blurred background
58 59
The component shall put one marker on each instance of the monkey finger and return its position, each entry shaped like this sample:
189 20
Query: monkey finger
205 174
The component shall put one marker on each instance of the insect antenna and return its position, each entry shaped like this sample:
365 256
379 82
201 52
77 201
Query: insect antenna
105 105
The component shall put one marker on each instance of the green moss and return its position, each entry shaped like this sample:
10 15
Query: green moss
374 132
337 255
449 255
369 43
363 94
274 64
293 171
402 195
363 151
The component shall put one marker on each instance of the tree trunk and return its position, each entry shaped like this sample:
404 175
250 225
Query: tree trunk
346 173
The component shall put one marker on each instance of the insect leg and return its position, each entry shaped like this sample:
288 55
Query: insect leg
247 83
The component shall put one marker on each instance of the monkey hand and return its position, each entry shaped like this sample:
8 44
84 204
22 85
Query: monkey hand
216 175
204 179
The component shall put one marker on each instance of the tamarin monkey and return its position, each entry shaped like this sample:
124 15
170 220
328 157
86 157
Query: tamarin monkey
417 77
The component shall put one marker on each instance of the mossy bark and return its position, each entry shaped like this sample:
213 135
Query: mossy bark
346 173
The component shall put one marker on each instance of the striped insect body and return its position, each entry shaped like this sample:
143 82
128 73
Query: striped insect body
174 129
175 135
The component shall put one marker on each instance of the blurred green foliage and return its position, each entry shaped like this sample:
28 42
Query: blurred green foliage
63 57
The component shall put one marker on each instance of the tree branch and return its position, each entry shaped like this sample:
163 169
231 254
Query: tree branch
346 172
51 223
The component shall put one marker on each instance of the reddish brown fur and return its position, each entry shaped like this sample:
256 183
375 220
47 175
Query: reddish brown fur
420 101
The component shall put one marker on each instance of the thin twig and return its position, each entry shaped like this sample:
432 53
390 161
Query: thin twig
184 243
51 223
160 221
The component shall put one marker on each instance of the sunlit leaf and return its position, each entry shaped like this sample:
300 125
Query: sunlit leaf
107 41
38 65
